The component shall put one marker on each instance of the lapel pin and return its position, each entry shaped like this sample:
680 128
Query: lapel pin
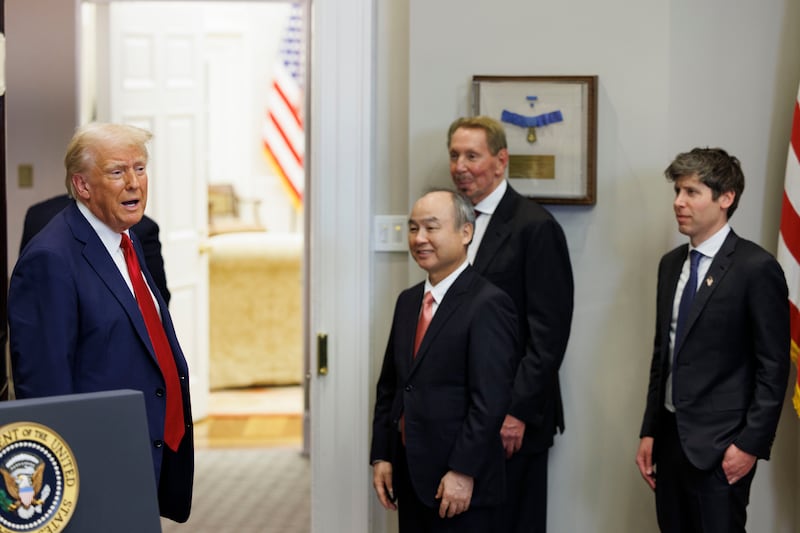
709 281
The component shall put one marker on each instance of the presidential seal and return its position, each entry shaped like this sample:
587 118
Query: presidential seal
39 489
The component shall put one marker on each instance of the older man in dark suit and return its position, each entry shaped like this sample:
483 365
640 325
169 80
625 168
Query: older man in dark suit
84 314
445 387
720 360
521 248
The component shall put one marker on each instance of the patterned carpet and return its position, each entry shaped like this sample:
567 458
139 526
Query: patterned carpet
250 474
255 490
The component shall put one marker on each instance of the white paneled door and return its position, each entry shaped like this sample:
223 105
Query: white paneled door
155 79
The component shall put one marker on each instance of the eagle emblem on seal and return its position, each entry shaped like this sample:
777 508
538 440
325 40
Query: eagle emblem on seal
24 487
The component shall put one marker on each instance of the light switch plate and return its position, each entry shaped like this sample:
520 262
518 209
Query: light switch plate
390 233
25 176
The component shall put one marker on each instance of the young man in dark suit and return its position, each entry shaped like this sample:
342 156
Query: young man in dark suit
720 361
85 317
443 391
521 248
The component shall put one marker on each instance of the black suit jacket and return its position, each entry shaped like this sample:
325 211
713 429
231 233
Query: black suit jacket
731 370
524 252
39 215
455 393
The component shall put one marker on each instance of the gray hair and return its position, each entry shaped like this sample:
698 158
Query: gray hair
463 211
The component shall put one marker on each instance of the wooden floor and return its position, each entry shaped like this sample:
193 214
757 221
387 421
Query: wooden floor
247 418
248 431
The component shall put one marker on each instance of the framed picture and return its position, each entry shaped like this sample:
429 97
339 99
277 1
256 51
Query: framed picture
551 128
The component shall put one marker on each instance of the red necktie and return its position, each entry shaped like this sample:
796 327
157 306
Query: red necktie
173 422
424 320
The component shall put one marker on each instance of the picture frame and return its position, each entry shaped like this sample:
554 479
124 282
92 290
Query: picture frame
551 129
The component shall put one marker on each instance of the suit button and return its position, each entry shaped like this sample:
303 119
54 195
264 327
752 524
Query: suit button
409 388
158 443
159 392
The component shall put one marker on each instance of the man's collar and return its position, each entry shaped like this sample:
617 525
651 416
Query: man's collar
489 204
108 236
442 287
711 246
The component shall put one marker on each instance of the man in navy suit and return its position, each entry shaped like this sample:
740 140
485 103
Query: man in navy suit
75 325
38 215
720 361
436 443
521 248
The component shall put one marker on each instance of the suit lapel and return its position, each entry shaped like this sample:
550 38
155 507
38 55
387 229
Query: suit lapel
673 273
716 272
407 328
450 303
498 231
101 262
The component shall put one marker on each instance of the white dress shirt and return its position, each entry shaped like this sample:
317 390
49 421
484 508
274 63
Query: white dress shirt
111 240
486 207
440 289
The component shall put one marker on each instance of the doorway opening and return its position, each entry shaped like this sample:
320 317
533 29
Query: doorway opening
199 75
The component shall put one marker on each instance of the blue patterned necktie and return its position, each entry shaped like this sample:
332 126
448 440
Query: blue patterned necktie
689 290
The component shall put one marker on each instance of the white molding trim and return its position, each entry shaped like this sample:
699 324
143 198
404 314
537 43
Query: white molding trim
339 166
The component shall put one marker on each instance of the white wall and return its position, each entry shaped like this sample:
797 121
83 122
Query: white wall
390 270
672 75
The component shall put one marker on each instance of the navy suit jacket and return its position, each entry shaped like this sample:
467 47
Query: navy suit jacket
455 393
524 252
75 327
732 368
39 215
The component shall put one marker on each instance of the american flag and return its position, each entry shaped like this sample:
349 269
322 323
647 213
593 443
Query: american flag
789 239
282 134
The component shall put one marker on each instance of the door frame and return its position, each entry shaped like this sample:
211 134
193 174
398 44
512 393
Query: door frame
340 160
339 208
